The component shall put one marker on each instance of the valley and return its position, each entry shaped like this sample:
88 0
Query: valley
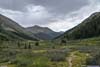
42 47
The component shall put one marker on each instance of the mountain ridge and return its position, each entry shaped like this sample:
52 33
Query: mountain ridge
90 27
44 33
13 30
10 30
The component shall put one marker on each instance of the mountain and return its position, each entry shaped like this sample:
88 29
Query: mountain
90 27
43 33
10 30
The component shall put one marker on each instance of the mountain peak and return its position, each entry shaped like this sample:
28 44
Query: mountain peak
36 26
43 32
96 14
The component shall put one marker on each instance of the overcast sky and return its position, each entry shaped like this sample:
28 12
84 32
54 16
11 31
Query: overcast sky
59 15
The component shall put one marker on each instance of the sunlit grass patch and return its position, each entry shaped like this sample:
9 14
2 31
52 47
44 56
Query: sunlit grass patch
39 51
59 64
11 65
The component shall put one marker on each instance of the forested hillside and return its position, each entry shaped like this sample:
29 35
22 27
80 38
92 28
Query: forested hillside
90 27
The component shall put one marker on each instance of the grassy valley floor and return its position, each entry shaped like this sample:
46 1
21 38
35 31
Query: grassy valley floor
48 53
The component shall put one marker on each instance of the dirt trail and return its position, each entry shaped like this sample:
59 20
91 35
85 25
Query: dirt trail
70 59
4 66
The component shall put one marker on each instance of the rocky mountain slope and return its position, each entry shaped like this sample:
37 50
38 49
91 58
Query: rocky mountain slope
10 30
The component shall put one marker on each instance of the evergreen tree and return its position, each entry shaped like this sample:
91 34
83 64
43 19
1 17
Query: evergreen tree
29 47
25 47
37 44
18 44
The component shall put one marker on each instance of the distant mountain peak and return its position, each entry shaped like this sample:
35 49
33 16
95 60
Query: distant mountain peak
36 26
14 31
43 32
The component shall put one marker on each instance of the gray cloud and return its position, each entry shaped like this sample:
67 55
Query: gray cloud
61 6
55 6
75 17
56 14
13 4
30 12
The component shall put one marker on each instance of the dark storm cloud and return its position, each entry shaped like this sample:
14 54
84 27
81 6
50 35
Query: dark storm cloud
61 6
13 4
55 6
